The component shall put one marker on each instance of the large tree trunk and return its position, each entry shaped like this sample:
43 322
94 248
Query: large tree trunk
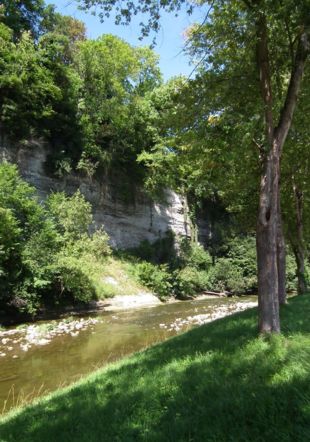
267 224
266 245
269 237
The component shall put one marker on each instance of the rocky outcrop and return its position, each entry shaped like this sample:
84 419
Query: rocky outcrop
127 223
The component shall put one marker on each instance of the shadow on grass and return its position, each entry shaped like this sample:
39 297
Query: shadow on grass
217 382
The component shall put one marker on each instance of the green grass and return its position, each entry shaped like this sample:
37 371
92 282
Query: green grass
218 382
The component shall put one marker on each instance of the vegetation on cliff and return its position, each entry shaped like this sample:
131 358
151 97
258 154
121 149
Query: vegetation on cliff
48 257
89 99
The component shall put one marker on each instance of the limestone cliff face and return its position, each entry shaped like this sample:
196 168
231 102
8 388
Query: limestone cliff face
127 224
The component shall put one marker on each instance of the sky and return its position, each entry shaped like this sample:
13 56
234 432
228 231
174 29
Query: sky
170 39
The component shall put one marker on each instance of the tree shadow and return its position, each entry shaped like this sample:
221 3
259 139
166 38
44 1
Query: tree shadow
214 383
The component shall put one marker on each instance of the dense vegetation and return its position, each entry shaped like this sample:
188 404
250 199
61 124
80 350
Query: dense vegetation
217 382
193 270
47 255
245 107
88 98
102 108
235 140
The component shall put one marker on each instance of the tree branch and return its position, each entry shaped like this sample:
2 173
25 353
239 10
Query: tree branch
287 112
264 73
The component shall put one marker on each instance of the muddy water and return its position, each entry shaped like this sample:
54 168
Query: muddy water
41 369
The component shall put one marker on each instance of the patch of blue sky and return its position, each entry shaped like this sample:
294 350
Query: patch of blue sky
169 41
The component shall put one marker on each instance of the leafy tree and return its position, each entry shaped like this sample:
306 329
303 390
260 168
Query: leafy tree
47 254
295 185
68 31
72 215
22 15
115 79
269 43
264 23
28 90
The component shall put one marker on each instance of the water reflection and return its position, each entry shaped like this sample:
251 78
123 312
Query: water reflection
65 359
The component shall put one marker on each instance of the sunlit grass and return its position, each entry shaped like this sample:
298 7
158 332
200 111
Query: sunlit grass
124 283
218 382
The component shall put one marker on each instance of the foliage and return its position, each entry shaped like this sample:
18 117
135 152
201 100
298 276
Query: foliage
22 15
161 251
47 255
194 255
70 281
189 281
115 78
87 98
72 215
155 277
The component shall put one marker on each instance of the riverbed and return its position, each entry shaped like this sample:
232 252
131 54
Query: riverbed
37 359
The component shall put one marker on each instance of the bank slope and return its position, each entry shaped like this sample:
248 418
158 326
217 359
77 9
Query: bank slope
218 382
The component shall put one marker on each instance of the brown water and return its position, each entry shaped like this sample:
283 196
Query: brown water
65 359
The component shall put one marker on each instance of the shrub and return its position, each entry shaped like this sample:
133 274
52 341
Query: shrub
189 281
10 252
156 277
194 255
72 214
70 283
96 245
291 276
46 253
159 252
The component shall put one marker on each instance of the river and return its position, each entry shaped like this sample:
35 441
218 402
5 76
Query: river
28 371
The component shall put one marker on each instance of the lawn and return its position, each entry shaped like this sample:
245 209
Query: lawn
218 382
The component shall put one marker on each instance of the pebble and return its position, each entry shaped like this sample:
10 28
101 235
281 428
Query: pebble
201 319
35 335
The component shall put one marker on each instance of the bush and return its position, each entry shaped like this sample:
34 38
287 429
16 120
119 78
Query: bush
194 255
95 245
10 252
47 255
70 283
72 214
156 277
159 252
291 270
225 276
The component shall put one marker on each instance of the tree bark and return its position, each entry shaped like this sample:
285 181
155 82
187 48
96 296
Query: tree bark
266 246
269 235
267 224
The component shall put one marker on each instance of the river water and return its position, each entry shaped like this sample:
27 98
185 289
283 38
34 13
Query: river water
26 373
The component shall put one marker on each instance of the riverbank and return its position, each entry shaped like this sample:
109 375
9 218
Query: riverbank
15 341
217 382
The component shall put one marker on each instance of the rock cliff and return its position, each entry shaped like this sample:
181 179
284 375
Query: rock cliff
127 223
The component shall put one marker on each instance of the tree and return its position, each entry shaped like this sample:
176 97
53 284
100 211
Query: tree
295 188
115 80
28 89
276 38
22 15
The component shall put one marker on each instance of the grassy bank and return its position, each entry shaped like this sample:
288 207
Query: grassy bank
218 382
